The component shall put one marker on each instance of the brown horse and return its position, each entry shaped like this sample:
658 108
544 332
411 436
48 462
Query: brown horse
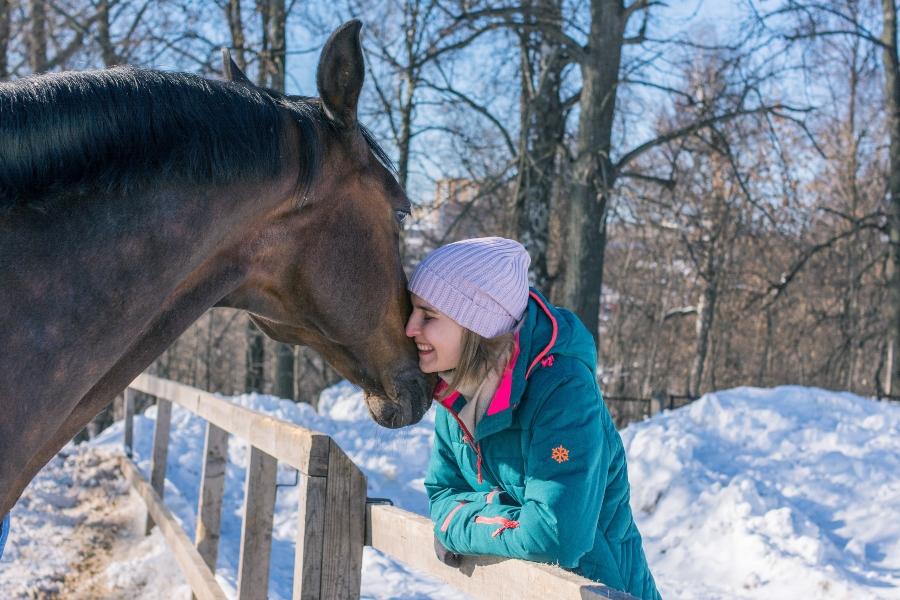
131 201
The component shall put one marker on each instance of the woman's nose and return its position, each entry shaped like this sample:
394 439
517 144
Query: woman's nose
411 328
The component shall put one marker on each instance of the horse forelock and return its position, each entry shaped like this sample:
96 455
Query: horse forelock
74 134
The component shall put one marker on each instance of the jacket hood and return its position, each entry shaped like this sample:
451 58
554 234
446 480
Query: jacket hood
547 332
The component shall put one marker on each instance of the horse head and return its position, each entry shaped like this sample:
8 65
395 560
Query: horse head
327 273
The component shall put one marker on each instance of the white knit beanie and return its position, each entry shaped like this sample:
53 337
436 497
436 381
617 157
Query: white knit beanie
481 283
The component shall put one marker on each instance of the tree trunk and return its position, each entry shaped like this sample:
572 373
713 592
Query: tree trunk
37 35
656 334
313 376
256 355
705 311
542 127
404 141
584 232
275 66
284 371
762 373
107 49
236 25
5 12
262 76
208 351
277 45
892 101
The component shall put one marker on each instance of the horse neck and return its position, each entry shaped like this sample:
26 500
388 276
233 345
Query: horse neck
88 283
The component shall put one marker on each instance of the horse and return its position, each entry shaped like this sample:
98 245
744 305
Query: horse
133 200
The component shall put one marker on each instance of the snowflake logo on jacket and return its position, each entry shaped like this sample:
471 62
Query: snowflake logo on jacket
560 454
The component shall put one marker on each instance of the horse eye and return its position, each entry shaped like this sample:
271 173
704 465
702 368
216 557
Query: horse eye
401 215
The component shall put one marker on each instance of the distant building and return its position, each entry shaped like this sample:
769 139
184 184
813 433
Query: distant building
458 211
451 197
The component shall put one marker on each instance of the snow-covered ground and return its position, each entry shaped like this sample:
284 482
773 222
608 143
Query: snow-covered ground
748 493
785 493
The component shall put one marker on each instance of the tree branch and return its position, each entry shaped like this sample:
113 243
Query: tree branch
548 27
691 128
775 289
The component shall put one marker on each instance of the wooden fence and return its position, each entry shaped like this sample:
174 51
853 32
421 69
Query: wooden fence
334 519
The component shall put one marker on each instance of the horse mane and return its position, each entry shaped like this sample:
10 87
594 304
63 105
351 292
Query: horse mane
75 134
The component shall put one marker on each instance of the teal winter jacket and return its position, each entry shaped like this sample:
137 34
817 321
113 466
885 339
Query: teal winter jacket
543 475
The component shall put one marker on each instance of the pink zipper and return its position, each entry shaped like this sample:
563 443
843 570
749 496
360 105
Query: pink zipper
467 438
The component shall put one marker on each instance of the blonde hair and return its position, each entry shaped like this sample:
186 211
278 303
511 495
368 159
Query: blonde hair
480 356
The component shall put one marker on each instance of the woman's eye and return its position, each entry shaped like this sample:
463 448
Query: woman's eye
428 318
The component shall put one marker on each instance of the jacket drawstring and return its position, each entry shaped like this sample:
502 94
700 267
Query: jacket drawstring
478 462
502 521
467 438
476 447
505 526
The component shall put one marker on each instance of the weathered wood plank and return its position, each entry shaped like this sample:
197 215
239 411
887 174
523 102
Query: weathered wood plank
129 421
310 538
160 451
304 449
202 581
256 530
212 484
410 538
345 501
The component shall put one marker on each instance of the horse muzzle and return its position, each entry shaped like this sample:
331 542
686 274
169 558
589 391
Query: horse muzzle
407 400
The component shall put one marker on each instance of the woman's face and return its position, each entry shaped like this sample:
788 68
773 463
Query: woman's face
437 336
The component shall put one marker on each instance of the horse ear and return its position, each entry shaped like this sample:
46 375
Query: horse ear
339 77
232 71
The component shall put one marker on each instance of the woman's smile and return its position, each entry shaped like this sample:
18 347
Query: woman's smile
443 347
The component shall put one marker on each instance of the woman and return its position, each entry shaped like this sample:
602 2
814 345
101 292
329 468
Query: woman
526 461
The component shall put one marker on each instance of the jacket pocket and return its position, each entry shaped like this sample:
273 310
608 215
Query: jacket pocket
503 522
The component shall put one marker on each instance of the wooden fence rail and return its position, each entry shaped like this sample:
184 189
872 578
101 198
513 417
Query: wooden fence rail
334 520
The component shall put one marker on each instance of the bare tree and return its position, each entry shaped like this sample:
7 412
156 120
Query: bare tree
273 50
6 7
815 23
37 35
236 27
891 67
541 131
405 41
593 169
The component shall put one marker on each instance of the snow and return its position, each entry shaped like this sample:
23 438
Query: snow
785 493
748 493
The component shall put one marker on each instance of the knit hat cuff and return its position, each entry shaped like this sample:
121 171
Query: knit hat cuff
464 302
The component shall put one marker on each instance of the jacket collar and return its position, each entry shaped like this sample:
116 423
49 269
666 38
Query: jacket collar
515 375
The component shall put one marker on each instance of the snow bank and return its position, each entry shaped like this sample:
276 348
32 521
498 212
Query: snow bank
770 493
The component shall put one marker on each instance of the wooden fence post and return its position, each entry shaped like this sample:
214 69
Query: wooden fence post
129 422
256 530
212 484
160 452
310 538
345 521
